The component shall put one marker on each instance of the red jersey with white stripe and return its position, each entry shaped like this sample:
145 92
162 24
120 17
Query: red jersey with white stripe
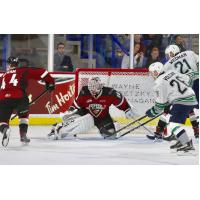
98 106
14 82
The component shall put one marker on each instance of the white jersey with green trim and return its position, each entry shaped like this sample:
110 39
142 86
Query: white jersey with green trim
186 62
173 88
183 62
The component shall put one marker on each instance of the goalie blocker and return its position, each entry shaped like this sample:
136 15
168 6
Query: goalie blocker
91 108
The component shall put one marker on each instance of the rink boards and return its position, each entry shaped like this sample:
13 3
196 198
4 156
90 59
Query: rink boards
49 120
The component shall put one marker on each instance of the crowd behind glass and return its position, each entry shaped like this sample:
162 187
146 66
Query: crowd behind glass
108 51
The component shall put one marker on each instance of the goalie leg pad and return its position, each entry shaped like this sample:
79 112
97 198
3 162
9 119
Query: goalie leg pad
78 125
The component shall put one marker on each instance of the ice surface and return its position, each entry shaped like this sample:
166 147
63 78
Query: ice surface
89 149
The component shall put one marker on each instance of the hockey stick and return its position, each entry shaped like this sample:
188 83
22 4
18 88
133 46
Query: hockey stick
32 102
133 122
145 128
124 127
138 126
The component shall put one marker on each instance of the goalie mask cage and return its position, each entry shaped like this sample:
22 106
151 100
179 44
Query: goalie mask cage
135 84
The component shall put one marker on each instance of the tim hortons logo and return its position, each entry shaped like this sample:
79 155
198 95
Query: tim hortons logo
61 99
95 109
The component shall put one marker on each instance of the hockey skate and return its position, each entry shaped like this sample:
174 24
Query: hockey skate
54 131
158 134
25 140
6 136
176 145
51 134
170 138
155 137
186 148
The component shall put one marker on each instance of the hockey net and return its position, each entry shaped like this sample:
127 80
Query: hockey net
135 84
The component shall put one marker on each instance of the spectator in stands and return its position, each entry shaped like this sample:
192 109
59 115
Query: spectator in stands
150 41
138 40
179 41
138 58
154 57
62 62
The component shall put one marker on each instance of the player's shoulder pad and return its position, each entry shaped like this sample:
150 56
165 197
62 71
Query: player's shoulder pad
111 92
107 90
84 91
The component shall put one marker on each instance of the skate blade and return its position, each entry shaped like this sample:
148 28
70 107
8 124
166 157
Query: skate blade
173 151
158 140
151 137
24 143
187 153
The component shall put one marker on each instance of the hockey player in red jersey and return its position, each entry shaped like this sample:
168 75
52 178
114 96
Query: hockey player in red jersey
13 96
91 108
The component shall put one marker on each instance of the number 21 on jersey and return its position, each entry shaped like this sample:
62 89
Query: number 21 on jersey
13 81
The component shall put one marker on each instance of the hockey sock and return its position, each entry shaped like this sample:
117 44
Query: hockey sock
23 129
162 124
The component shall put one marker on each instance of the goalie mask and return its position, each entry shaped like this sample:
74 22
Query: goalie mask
95 86
155 69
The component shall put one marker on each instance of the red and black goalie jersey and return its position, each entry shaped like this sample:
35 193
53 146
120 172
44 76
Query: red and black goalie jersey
99 106
14 82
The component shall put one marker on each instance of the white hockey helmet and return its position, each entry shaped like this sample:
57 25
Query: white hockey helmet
95 85
171 51
156 69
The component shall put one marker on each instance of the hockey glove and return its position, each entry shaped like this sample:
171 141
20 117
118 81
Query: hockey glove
131 113
150 113
50 86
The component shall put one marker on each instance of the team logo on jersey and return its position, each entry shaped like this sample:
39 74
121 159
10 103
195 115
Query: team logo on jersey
96 109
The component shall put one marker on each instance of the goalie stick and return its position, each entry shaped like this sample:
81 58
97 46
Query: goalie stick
133 122
124 127
146 128
6 135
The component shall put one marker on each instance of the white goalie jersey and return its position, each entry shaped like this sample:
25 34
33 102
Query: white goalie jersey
173 88
185 62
